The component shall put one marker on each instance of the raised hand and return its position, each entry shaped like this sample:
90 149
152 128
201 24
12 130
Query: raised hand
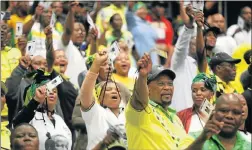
48 32
199 19
100 58
144 65
22 42
25 61
40 94
92 35
73 6
212 127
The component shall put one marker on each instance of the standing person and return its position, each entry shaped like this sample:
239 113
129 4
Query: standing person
24 137
40 112
224 43
21 15
241 32
5 132
58 10
143 34
150 122
184 61
203 87
163 28
101 116
223 66
104 15
221 130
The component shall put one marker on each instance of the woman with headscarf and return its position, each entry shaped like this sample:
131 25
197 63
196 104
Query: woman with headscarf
203 88
105 121
39 111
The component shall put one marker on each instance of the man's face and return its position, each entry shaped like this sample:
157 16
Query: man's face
229 111
58 8
39 62
25 138
219 21
61 60
161 90
23 7
79 34
122 64
200 93
142 12
228 71
210 39
246 15
47 14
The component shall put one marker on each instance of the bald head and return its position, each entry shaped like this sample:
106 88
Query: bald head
229 110
218 21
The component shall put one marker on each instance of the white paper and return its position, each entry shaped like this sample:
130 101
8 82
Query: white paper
19 29
90 21
198 5
2 15
53 20
30 48
240 22
54 83
113 52
206 108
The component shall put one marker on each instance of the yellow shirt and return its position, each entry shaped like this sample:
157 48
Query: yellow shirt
5 135
145 131
126 81
105 14
9 61
223 87
12 24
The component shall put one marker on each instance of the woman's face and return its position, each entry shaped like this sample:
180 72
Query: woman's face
117 22
122 64
52 98
61 60
111 97
200 93
25 138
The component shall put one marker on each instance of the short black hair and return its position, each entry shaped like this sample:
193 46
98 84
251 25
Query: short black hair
15 129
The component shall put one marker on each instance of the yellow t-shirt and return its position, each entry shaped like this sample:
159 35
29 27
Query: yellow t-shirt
126 81
145 131
5 135
12 24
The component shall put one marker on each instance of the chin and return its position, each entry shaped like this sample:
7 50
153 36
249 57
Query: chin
227 133
167 102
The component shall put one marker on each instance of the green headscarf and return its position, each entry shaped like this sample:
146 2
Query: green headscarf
90 60
209 81
138 5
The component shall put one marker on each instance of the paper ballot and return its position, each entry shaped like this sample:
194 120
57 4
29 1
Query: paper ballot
2 15
19 29
198 5
53 20
206 108
90 21
30 48
114 51
54 83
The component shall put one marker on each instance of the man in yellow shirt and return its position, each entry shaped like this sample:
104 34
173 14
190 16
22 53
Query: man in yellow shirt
150 123
223 66
21 15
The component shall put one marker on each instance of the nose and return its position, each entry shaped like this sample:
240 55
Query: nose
27 138
198 92
229 115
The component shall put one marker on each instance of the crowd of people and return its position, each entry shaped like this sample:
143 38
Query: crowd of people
117 78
